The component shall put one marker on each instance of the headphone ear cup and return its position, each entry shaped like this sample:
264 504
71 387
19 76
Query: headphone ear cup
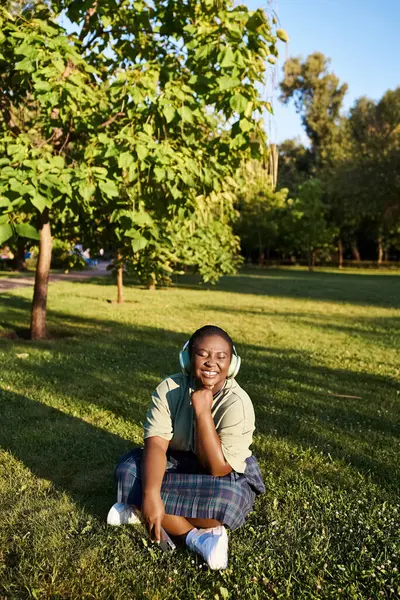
184 360
234 366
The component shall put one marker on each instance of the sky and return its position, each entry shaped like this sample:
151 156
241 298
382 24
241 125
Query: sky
361 37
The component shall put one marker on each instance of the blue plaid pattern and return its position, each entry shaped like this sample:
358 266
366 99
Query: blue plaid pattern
187 492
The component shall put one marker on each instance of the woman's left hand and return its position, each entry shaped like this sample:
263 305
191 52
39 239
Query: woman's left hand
202 400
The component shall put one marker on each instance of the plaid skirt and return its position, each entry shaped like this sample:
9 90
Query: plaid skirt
187 492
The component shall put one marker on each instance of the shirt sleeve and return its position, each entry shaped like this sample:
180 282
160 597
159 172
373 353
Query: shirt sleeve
235 429
158 419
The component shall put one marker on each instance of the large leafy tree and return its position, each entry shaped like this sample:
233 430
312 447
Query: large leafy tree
318 96
146 112
368 179
184 78
48 99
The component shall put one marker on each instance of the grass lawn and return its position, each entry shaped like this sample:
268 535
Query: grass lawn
321 364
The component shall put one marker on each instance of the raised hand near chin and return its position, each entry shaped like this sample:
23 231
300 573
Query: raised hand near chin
202 399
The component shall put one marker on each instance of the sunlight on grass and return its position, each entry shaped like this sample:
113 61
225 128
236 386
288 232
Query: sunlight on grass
320 361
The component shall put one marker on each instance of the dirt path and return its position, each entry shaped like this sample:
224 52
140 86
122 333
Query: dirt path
10 283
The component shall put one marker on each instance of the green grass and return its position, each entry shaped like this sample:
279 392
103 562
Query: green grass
328 524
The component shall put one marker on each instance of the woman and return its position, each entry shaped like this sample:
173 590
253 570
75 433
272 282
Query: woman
196 473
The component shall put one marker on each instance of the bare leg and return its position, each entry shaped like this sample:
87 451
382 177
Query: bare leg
204 523
176 526
180 526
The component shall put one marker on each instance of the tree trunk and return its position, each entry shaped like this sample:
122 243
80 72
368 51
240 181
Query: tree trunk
313 258
356 254
380 250
39 304
340 250
261 258
273 164
310 254
120 284
386 254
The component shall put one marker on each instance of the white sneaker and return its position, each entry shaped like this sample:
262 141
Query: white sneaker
211 544
122 514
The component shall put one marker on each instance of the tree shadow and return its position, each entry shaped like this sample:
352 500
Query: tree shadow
383 331
311 406
363 289
74 455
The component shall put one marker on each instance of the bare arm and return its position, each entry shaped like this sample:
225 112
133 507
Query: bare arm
208 444
154 463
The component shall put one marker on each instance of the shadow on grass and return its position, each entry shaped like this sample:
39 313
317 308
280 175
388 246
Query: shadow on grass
353 288
105 372
383 331
75 456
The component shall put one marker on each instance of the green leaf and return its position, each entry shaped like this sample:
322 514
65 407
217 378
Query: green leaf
228 59
169 113
245 125
42 86
282 35
159 174
125 160
106 21
224 593
108 188
5 203
38 201
6 232
269 108
255 20
142 218
227 83
238 103
28 231
142 152
58 162
139 243
147 128
186 114
25 65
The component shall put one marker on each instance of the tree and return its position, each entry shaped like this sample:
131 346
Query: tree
260 208
152 106
305 225
368 179
295 165
318 97
184 78
48 99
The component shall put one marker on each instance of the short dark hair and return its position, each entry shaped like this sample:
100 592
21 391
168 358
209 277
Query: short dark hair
205 331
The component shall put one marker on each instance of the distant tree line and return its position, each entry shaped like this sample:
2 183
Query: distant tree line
338 198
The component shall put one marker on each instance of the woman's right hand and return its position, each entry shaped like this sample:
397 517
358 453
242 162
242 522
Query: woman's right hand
153 512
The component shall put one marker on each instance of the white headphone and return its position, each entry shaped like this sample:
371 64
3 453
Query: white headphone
184 361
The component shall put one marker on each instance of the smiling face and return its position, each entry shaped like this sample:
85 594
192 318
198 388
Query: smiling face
210 360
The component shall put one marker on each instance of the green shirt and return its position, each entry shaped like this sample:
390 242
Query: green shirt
171 417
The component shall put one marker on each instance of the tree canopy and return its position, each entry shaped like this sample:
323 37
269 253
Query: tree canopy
135 124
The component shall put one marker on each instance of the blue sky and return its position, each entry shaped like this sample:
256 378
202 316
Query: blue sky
361 37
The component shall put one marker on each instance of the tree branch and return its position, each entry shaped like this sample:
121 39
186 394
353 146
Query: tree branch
111 120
